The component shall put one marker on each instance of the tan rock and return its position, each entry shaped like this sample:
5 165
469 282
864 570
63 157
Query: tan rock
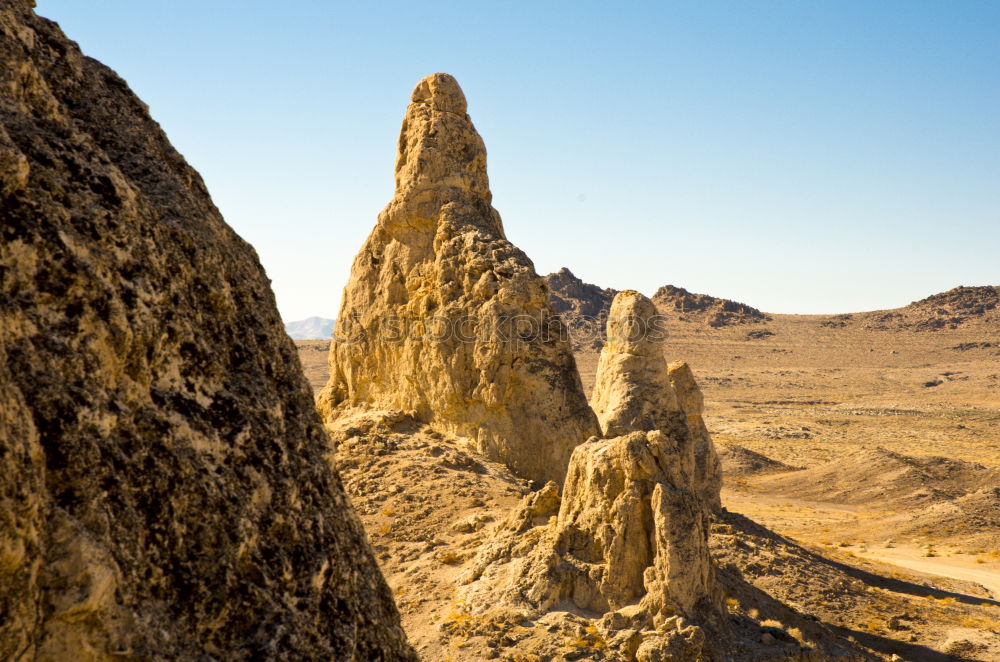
165 491
708 466
631 537
444 318
629 530
632 389
636 389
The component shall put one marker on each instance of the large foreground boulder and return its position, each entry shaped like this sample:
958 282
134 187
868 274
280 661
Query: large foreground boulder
444 318
164 487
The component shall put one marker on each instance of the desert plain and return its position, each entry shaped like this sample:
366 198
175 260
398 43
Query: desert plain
866 444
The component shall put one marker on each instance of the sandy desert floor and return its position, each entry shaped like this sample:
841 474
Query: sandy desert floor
871 453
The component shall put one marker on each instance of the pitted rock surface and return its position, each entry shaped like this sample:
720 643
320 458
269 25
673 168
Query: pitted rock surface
444 318
630 540
165 490
632 390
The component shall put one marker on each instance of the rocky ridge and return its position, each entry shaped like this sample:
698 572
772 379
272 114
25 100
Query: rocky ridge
959 307
165 488
582 306
715 312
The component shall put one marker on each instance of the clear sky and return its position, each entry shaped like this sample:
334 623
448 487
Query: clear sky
797 155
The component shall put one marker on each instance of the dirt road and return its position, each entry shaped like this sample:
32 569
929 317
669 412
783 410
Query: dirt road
913 559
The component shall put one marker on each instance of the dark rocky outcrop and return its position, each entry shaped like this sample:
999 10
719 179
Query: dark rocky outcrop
717 312
583 307
165 490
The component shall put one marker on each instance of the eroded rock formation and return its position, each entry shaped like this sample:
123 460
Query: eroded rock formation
444 318
708 465
164 487
632 390
630 537
636 389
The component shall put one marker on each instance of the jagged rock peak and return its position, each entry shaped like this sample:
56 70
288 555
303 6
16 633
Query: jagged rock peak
444 318
442 92
632 390
165 486
439 147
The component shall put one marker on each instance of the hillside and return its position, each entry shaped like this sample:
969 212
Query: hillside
959 308
711 310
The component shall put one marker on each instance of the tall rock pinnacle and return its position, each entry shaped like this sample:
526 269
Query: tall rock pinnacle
444 318
635 389
629 536
632 389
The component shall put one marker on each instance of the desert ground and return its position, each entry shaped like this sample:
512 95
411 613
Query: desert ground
865 445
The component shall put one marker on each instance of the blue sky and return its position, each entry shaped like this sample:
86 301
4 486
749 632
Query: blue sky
800 156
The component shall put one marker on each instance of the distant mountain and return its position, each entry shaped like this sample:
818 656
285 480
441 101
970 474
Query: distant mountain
584 307
959 307
716 312
313 328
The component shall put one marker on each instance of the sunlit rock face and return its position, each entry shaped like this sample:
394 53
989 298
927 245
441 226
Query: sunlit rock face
444 318
628 538
636 389
164 486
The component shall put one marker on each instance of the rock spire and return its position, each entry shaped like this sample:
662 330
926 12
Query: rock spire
444 318
629 536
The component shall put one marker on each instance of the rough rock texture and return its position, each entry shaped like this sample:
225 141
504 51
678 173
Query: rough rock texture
708 466
582 306
444 318
632 390
164 490
630 540
635 389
